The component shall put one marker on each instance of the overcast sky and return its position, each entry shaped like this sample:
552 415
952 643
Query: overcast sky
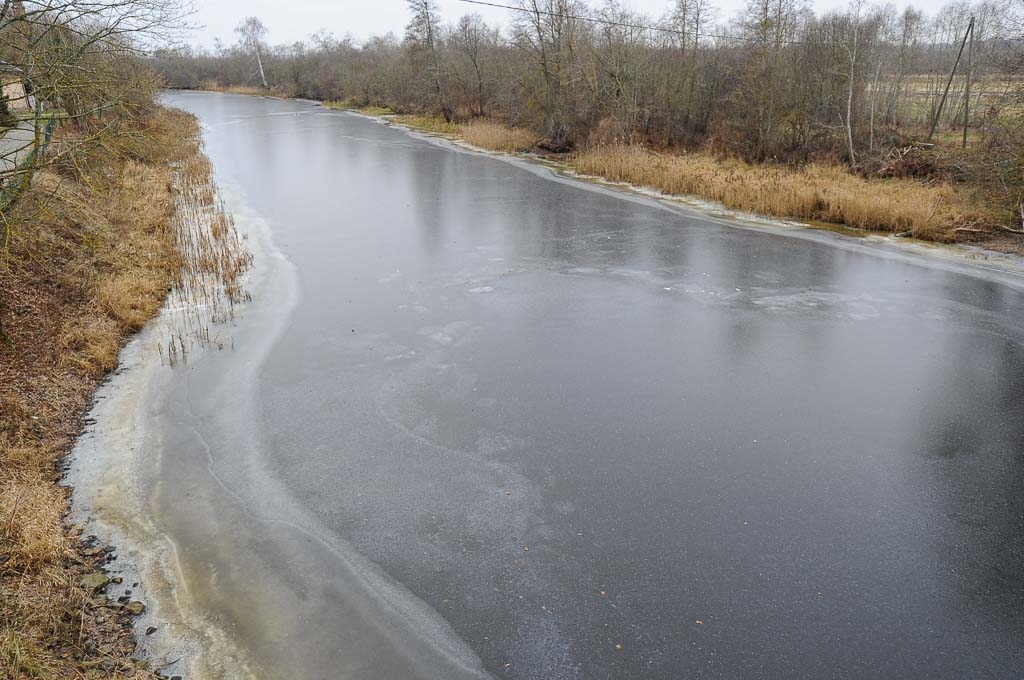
298 19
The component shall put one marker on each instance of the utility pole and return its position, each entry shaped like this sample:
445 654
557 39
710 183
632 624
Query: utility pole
967 89
938 112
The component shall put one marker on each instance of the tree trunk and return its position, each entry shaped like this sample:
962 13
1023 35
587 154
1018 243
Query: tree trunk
259 63
849 103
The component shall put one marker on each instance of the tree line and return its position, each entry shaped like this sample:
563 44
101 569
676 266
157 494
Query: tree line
776 82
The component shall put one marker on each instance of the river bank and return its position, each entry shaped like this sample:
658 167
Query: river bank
407 461
932 209
202 532
437 447
92 252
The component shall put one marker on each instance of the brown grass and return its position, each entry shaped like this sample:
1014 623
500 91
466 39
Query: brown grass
486 134
370 110
131 298
89 344
432 124
817 192
21 656
95 245
32 508
497 137
214 86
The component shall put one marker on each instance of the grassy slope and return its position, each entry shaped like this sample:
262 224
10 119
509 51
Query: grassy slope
89 259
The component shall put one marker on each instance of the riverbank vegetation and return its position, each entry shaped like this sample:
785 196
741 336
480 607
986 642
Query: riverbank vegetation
816 192
820 192
99 245
726 108
120 209
89 262
486 134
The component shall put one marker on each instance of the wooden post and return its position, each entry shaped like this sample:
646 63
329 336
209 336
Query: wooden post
967 88
942 102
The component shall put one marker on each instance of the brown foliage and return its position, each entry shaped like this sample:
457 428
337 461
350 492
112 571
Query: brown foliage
826 193
90 261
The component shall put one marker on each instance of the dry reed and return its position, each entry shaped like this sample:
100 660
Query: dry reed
486 134
95 252
214 86
210 258
366 110
432 124
817 192
90 343
496 136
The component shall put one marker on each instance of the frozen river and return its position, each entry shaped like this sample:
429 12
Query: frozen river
482 421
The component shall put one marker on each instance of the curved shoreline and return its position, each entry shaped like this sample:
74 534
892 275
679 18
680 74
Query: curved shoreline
113 455
114 486
1003 268
119 495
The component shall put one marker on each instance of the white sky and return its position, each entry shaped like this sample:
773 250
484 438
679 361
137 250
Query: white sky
294 20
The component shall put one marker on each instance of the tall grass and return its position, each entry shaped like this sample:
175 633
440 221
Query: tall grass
97 247
369 110
209 258
820 192
433 124
486 134
816 192
497 136
214 86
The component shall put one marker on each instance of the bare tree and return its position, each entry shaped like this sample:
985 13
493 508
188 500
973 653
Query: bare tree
423 34
79 62
547 33
252 35
777 84
472 38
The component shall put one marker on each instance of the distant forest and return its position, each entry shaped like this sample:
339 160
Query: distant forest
776 82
